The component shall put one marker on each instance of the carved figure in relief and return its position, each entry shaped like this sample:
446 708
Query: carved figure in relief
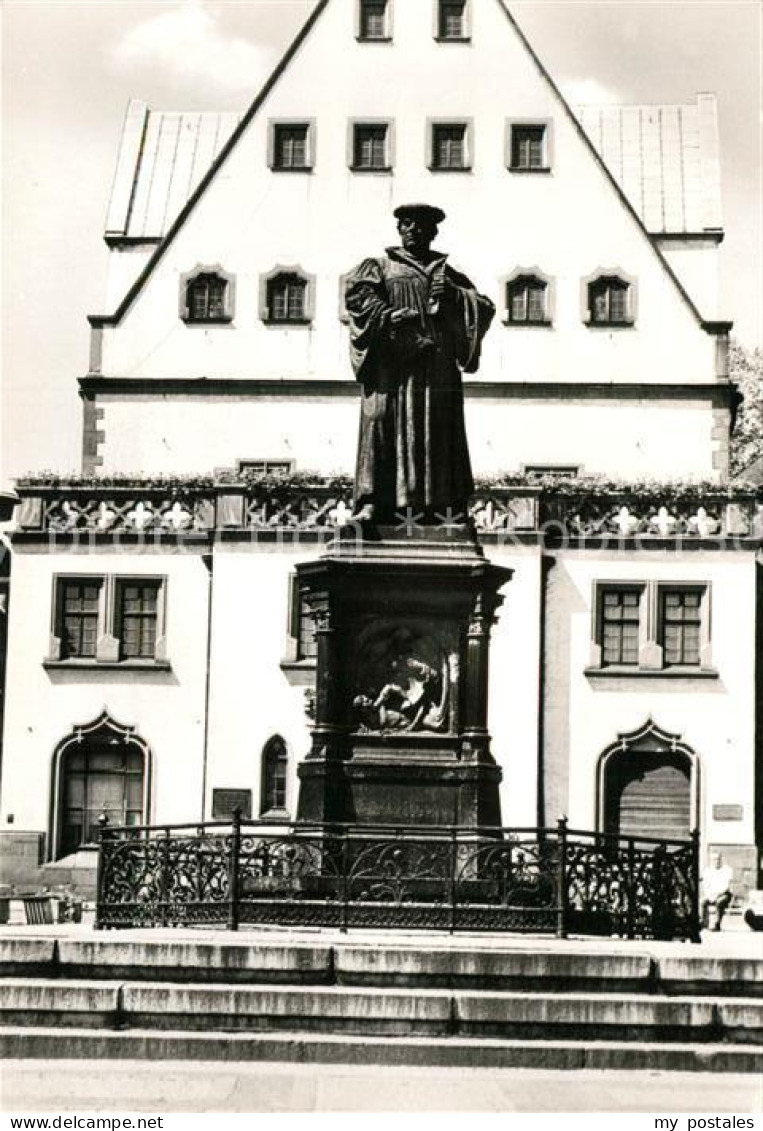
408 692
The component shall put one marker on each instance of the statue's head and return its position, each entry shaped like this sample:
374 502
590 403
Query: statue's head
417 225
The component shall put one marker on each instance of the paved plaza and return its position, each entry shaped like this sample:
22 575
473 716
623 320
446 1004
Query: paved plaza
199 1086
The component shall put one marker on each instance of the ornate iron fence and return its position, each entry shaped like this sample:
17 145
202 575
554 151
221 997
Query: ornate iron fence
547 880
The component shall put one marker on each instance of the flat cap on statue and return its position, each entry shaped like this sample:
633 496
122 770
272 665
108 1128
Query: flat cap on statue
436 215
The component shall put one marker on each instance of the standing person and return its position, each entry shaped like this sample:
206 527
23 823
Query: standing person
716 891
415 325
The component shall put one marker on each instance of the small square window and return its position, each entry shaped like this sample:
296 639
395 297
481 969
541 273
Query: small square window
265 466
451 20
374 20
449 147
370 147
528 148
291 147
557 470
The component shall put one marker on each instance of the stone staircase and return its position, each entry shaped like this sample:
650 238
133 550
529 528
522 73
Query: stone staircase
567 1005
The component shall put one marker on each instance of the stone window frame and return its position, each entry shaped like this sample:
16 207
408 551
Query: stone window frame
631 298
353 125
293 269
550 298
437 23
468 126
229 298
294 652
108 641
265 812
651 661
274 124
547 125
343 315
389 17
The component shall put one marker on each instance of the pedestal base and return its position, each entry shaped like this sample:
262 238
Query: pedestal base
402 623
404 791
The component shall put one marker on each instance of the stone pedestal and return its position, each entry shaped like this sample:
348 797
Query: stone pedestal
403 632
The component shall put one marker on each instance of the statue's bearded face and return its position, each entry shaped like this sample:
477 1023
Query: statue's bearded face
416 233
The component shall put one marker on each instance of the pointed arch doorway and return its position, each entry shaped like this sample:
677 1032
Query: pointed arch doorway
649 785
100 768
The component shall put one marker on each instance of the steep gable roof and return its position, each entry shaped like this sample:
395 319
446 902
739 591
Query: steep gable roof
665 159
226 148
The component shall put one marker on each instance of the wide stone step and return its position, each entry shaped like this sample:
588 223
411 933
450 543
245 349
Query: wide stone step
567 967
226 1008
320 1048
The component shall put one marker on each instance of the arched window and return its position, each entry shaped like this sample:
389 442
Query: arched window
649 785
526 299
610 301
100 768
275 761
287 297
206 295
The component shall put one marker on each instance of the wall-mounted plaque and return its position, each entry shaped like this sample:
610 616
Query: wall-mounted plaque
224 801
728 812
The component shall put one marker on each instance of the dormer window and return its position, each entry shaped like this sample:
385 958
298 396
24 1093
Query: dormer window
374 20
610 301
206 296
287 297
452 17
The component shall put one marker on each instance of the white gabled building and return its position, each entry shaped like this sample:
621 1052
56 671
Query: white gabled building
156 659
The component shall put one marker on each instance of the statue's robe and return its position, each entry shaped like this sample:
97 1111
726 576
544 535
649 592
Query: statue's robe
412 449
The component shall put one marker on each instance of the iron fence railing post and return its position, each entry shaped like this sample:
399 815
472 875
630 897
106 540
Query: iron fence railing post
696 915
345 881
453 867
631 895
164 876
233 869
103 821
562 924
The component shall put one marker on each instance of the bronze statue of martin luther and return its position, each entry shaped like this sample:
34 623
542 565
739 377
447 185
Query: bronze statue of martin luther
415 325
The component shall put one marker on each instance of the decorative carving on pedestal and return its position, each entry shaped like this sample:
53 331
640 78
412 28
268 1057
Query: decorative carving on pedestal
404 679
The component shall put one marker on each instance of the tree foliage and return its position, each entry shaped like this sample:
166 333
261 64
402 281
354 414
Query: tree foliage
746 371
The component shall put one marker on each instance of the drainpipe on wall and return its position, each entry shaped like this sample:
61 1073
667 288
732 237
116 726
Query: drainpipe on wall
546 564
208 560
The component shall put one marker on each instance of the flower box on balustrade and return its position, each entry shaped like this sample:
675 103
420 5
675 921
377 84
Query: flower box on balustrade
310 506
